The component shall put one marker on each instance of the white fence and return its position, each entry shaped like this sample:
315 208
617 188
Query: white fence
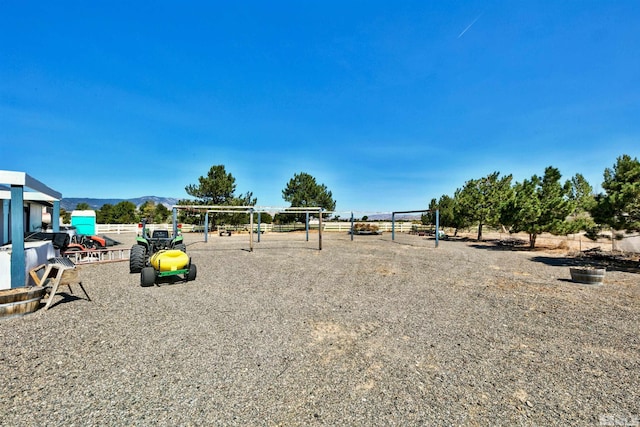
401 227
116 228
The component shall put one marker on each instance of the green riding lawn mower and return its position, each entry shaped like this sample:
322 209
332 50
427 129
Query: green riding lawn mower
160 255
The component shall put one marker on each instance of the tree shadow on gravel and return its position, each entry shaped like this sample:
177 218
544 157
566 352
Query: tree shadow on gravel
248 250
611 264
494 245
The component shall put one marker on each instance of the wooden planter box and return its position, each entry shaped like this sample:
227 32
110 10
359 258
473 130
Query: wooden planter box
20 301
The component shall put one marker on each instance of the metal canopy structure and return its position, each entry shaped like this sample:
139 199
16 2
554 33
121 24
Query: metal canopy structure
393 222
16 188
249 210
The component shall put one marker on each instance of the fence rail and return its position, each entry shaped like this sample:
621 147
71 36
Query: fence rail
116 228
401 227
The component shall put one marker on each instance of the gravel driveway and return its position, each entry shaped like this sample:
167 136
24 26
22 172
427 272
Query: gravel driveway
369 332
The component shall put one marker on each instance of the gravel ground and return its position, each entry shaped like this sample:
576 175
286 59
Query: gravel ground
369 332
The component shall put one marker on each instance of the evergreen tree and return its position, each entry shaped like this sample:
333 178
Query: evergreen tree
147 211
125 213
540 205
105 214
583 201
480 201
65 216
429 218
303 191
161 213
446 206
218 189
619 207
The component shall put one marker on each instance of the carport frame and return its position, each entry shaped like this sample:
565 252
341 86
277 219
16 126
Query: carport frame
250 210
16 196
393 222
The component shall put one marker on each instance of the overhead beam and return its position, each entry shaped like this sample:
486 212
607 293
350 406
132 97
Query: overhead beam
236 209
23 180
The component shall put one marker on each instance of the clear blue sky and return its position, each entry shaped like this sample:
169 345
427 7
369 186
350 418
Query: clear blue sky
389 104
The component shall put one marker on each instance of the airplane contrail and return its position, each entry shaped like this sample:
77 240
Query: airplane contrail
469 26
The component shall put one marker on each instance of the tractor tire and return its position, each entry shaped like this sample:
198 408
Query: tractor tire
181 247
193 271
147 277
137 259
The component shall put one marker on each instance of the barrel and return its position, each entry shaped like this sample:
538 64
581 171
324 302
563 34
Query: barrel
20 301
588 276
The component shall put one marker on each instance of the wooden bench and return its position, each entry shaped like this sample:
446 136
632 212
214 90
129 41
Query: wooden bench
58 272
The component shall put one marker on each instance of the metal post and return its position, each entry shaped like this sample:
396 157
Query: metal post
55 216
307 224
437 227
18 262
251 229
393 226
206 227
352 226
6 208
175 221
258 226
320 231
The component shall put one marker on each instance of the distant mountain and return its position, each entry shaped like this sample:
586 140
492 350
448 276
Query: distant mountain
70 203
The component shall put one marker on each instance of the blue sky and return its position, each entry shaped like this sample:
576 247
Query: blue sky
389 104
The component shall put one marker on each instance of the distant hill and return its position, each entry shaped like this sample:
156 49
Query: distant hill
70 203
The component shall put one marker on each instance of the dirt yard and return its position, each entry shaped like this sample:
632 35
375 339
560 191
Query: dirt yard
364 332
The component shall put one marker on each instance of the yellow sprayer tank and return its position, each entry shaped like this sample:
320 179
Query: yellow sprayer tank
169 260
